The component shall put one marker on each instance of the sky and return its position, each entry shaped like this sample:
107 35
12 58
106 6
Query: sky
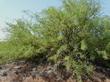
13 9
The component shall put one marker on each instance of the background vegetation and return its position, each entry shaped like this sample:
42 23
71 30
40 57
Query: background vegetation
76 35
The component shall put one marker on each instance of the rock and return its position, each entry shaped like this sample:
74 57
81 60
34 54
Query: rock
13 77
28 72
71 80
0 67
38 79
107 80
96 79
29 79
17 67
35 74
4 72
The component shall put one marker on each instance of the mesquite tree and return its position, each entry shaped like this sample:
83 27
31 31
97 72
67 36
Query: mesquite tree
75 34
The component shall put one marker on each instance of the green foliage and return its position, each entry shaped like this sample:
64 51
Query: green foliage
20 44
75 34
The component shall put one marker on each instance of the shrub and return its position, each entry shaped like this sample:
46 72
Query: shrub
75 34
